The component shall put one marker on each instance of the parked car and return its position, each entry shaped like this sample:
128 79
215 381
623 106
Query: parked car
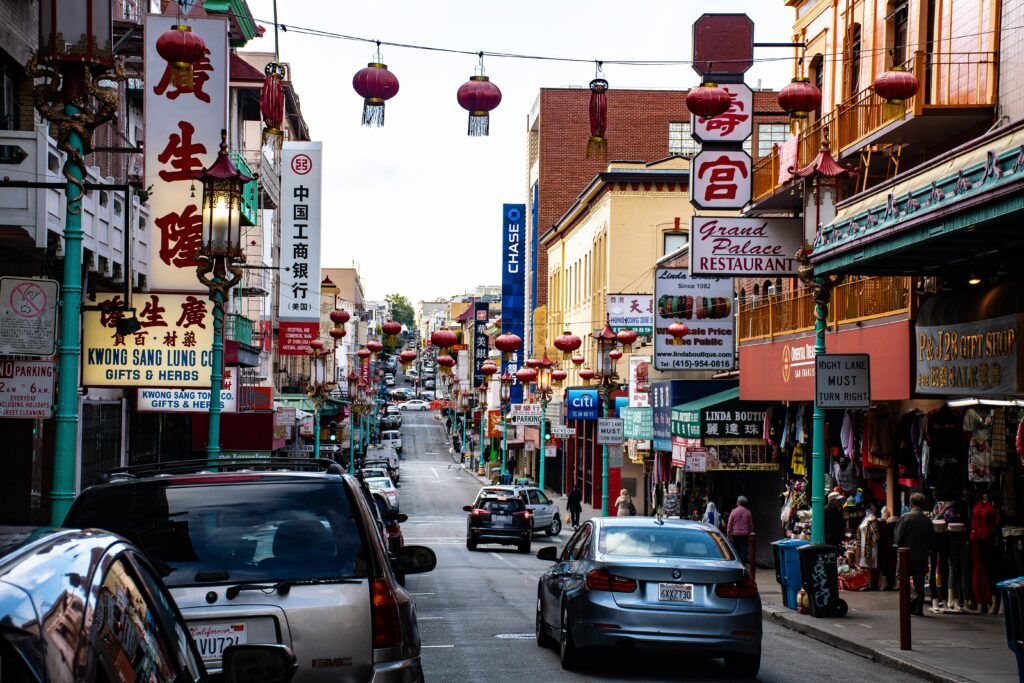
384 486
427 395
412 374
402 394
498 519
415 404
546 516
667 584
429 384
89 606
373 472
248 550
390 422
386 456
389 380
393 438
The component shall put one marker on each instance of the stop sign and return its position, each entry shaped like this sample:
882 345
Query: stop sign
723 45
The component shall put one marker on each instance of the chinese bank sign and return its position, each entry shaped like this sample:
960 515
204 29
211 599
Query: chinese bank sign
582 404
299 297
968 359
172 349
513 285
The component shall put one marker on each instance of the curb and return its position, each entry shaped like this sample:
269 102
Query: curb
779 616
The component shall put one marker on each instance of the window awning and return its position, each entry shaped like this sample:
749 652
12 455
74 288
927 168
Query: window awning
720 419
332 406
686 417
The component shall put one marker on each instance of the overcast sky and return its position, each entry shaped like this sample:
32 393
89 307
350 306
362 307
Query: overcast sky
416 204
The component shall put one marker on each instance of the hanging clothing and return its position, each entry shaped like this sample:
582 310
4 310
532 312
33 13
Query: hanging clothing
844 474
867 542
712 516
978 424
944 432
999 460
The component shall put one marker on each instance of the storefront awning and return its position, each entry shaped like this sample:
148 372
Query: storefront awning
332 407
720 418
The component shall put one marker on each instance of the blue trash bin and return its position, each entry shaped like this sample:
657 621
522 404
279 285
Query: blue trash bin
1012 592
787 568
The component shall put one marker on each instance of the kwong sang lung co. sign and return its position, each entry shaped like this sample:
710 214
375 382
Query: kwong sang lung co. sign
744 246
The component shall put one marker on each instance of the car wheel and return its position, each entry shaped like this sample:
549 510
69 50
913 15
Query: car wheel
524 548
568 655
556 526
743 666
543 638
470 545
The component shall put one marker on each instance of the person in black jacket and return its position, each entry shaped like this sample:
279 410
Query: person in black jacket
916 532
835 525
575 505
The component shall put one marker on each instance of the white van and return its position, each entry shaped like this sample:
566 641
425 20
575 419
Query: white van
393 438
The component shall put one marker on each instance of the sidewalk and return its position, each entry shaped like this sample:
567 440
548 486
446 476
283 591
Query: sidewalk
946 647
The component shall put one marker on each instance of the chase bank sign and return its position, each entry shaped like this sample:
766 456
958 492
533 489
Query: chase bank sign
583 404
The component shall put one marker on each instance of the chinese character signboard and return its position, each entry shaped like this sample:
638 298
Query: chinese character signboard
525 413
745 247
638 423
26 389
480 340
172 349
720 179
639 381
190 400
631 311
733 422
513 286
28 316
968 359
582 404
299 296
735 125
183 128
704 305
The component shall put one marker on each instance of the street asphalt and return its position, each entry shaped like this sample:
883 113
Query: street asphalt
476 610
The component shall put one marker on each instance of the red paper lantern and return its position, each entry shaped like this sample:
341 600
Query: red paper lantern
799 98
508 344
615 354
444 339
407 357
558 376
391 328
597 145
532 363
678 331
446 363
340 316
181 48
272 103
488 369
479 96
374 346
896 85
708 101
626 338
586 374
337 333
578 360
567 342
316 345
526 375
376 85
363 354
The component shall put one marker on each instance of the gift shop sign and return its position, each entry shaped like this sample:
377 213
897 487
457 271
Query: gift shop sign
720 179
190 400
970 359
299 294
173 348
704 305
631 312
183 128
745 247
735 125
26 389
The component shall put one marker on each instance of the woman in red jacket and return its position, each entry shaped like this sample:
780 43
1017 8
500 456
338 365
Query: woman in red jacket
984 521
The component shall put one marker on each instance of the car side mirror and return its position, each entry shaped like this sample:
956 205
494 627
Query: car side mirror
549 553
399 517
467 508
258 664
416 559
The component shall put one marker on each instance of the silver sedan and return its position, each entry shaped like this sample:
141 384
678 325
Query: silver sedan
647 584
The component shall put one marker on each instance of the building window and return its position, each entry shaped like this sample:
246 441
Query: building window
897 25
10 111
855 51
679 139
673 241
818 78
769 135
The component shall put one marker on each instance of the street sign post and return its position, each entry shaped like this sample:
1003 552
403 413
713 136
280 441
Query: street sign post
26 389
526 414
28 316
562 432
615 457
301 447
842 380
610 431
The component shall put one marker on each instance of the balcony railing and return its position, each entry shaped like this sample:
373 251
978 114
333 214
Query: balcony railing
855 300
949 80
239 328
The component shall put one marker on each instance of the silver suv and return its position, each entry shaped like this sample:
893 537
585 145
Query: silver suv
543 510
261 555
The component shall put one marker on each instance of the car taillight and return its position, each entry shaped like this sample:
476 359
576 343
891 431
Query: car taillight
601 580
525 514
746 588
387 626
477 512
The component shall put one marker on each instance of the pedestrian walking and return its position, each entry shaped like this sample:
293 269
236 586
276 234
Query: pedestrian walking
916 532
835 524
712 516
574 505
624 504
739 528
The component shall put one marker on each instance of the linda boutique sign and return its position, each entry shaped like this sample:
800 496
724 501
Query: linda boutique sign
968 359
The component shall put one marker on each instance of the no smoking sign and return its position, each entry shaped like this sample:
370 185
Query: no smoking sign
28 316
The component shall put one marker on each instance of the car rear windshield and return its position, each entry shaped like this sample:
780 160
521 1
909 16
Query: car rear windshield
502 506
391 435
231 532
664 541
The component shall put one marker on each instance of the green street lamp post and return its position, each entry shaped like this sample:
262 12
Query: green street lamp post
219 259
544 394
319 389
505 395
606 342
75 54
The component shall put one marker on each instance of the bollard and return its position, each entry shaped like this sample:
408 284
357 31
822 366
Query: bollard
752 555
903 581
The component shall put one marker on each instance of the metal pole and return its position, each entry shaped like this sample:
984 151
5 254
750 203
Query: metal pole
543 447
504 440
483 429
821 300
351 436
752 555
604 456
463 434
213 436
903 580
66 409
316 429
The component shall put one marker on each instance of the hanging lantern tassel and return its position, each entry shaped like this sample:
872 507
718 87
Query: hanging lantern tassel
597 145
272 104
479 96
376 85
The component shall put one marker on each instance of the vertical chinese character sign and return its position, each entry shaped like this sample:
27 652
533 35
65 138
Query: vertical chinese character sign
480 342
182 137
513 285
299 297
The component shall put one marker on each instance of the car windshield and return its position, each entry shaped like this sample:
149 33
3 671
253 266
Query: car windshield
500 506
205 534
379 483
664 541
391 435
374 473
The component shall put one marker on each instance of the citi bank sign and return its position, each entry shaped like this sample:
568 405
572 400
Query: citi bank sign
583 404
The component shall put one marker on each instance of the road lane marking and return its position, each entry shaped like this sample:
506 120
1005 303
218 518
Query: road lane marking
426 646
417 594
419 618
502 558
436 476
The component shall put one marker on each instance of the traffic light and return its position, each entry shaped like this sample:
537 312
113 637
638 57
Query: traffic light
332 431
547 430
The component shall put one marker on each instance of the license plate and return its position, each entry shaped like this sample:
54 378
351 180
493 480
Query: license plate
212 639
502 519
675 592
